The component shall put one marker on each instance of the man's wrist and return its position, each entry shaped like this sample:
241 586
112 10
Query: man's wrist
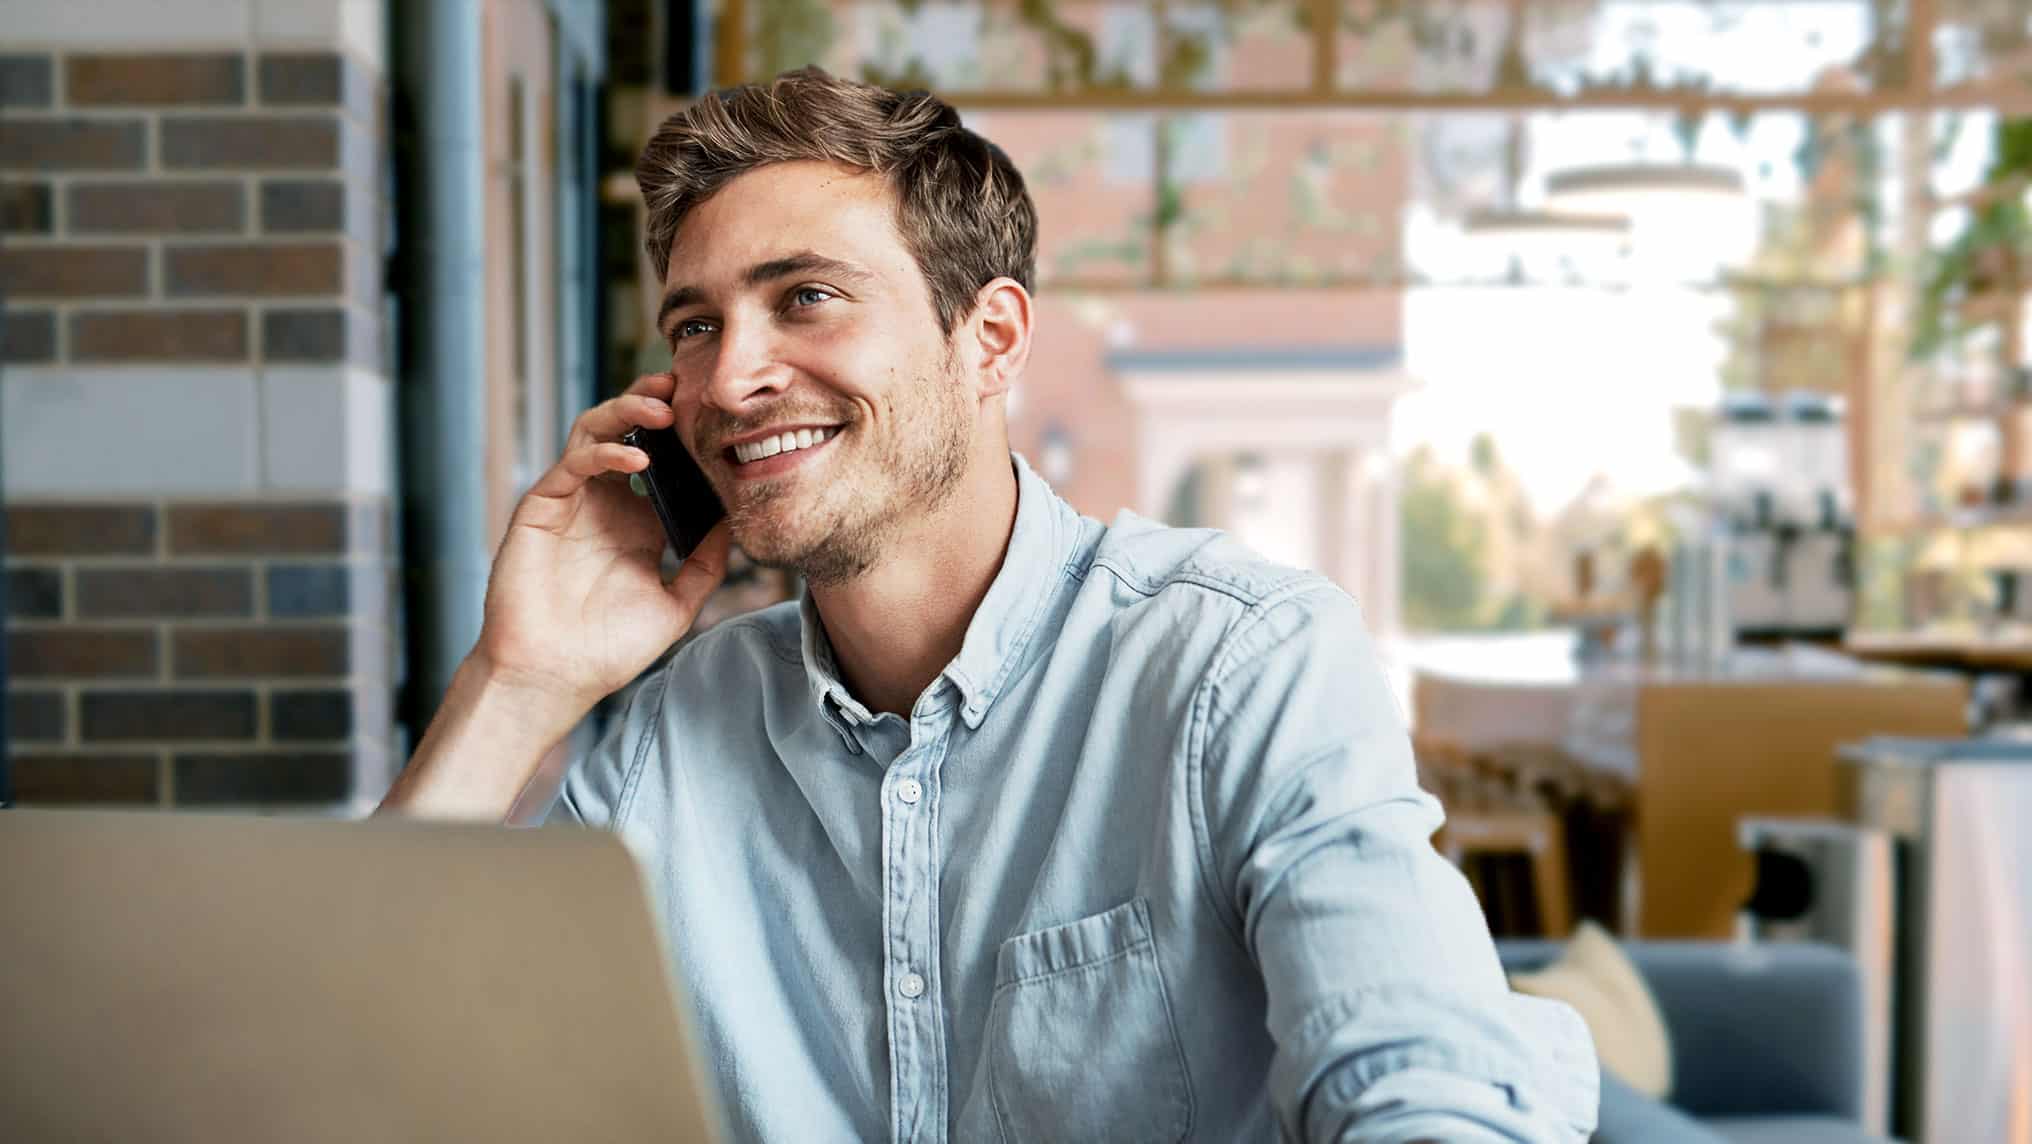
521 697
517 713
486 741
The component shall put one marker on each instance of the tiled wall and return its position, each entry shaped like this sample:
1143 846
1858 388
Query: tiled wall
196 416
188 654
189 208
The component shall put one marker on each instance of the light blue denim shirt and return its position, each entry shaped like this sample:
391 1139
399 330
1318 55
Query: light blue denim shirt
1147 861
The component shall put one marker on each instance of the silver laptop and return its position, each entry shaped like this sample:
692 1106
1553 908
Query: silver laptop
173 977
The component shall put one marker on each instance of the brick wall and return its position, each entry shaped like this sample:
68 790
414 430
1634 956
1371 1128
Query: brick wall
196 420
188 653
189 208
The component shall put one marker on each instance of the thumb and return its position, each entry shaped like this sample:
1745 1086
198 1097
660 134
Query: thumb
701 572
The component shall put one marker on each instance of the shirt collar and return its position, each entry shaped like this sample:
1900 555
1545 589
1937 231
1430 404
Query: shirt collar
1040 546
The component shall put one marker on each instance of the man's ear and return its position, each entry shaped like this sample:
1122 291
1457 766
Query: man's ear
999 329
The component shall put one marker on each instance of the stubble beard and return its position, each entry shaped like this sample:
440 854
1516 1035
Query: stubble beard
854 521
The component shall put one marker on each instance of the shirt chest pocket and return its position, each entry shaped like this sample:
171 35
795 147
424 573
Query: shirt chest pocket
1080 1039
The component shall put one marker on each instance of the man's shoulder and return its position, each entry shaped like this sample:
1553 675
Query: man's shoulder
1212 603
1202 567
760 641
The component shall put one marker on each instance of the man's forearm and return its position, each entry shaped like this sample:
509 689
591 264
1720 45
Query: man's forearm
484 745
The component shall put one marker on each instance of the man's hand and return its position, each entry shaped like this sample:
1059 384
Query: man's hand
576 607
576 603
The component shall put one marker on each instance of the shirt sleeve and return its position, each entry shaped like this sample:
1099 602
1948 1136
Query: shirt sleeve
1389 1010
598 790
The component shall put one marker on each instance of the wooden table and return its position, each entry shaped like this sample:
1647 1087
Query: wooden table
1970 653
1705 750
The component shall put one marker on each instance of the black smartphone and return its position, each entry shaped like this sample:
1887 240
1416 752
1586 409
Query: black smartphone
685 501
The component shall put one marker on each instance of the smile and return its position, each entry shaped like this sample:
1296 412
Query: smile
791 441
779 454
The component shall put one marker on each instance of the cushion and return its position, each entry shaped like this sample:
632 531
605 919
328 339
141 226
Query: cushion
1630 1117
1791 1130
1595 976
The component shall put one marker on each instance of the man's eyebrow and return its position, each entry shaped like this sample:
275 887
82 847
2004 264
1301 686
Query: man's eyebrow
802 262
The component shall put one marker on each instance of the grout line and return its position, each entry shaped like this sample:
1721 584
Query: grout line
142 684
204 623
186 560
126 112
59 205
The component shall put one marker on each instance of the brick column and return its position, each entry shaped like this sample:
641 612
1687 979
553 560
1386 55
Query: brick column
196 417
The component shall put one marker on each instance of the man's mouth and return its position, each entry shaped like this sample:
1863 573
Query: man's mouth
789 441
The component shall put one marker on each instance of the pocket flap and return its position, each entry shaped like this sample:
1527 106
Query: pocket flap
1074 944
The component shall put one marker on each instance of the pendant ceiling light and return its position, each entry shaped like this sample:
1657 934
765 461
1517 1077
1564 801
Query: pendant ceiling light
1548 244
1530 224
1690 222
1618 188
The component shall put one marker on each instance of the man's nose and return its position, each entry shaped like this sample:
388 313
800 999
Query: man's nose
744 367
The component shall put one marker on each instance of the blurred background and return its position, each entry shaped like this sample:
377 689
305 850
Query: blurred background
1654 373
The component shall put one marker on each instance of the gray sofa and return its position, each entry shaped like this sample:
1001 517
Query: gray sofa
1766 1044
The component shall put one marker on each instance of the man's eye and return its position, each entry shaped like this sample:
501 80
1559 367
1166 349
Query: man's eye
809 295
690 327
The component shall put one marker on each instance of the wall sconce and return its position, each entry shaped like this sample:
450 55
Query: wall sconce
1055 454
1251 481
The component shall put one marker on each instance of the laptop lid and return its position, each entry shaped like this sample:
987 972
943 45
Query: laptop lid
185 977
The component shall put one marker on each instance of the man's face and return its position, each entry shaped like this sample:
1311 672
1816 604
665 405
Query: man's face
794 313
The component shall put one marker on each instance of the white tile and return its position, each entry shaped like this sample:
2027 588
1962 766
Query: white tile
296 22
127 431
367 591
363 30
303 429
370 433
356 26
115 24
327 430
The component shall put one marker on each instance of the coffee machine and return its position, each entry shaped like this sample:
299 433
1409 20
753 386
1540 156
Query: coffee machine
1782 518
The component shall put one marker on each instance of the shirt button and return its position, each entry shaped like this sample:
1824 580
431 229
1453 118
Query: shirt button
911 986
910 790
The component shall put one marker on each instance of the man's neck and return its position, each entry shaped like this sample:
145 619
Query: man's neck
896 627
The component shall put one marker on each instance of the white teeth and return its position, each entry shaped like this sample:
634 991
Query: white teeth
780 443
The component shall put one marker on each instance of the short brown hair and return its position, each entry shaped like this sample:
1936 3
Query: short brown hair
962 210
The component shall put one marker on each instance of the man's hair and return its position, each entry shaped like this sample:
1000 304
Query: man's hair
962 210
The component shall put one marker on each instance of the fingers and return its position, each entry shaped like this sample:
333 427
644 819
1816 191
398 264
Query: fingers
581 464
610 419
701 572
652 385
646 401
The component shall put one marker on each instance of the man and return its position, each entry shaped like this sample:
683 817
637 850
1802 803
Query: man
1016 826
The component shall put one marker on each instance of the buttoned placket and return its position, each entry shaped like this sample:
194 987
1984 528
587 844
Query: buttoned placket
910 877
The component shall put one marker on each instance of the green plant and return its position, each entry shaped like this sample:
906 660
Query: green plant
1442 551
1989 254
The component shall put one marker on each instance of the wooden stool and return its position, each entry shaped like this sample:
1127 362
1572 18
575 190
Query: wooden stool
1534 834
1495 807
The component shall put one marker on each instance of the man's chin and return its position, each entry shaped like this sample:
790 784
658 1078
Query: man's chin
822 557
766 546
772 540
